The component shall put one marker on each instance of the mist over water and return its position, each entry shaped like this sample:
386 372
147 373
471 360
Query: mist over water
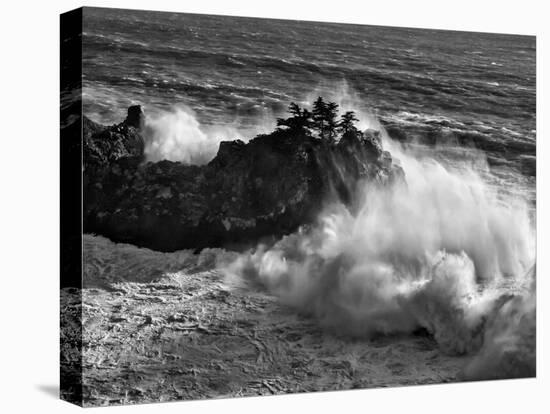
451 250
177 135
444 250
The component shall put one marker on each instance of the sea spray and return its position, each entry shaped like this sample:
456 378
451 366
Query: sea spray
444 251
509 340
177 135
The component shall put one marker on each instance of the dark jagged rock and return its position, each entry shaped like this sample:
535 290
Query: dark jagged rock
134 117
103 145
250 191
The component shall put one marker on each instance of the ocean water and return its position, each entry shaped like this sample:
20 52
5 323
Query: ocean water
475 89
438 252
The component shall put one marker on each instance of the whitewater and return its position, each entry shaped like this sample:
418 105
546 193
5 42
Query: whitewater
427 279
445 250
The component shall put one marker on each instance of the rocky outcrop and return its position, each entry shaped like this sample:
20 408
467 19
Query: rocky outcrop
103 145
249 192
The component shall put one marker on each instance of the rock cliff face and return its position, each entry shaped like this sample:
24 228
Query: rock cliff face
249 192
101 145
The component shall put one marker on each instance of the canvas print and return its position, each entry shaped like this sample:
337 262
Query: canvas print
257 206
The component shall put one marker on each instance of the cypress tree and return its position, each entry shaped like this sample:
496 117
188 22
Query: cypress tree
346 123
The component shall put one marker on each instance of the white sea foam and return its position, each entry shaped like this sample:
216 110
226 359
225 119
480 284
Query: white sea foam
444 251
177 135
441 234
447 250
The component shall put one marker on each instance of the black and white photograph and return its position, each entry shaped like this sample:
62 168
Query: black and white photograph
268 206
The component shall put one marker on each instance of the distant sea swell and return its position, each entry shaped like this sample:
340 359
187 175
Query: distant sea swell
476 90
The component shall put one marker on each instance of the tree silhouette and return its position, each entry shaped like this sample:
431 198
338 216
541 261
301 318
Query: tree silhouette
324 118
294 109
346 123
332 123
299 122
319 110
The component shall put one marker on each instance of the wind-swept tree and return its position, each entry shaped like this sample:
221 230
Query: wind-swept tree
331 116
319 110
300 121
346 123
324 118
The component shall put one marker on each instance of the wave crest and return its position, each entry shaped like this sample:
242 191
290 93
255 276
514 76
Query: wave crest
443 251
177 135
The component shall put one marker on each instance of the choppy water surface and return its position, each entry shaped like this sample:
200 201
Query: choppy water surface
473 88
448 251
